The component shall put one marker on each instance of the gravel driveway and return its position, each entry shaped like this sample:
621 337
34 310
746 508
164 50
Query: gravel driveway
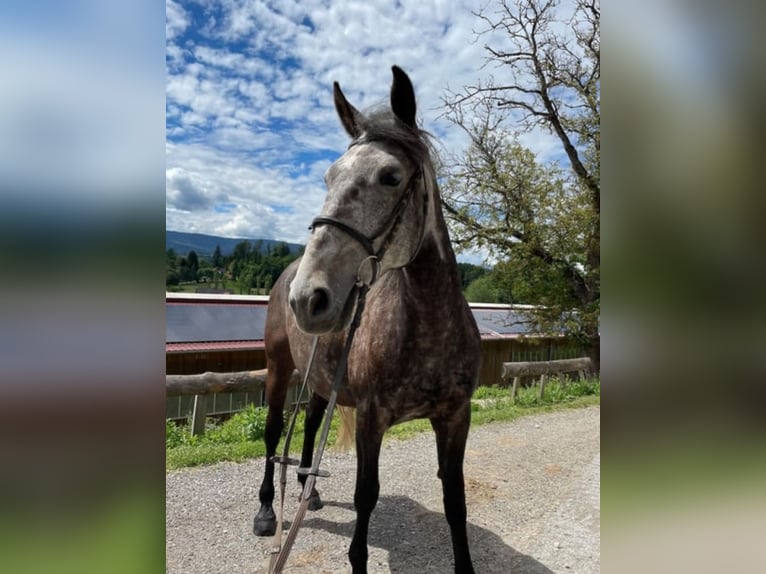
532 489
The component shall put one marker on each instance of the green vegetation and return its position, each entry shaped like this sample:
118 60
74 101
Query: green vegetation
250 269
538 215
241 437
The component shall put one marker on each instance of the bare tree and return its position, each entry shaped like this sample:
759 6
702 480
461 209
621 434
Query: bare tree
539 218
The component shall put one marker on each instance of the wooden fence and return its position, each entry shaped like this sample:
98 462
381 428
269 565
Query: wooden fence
544 369
208 383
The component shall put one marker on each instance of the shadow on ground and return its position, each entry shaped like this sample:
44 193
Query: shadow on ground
417 540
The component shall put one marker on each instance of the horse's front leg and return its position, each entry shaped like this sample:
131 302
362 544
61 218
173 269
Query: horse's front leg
451 437
314 413
265 522
368 440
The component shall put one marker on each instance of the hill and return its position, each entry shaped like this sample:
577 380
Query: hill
204 245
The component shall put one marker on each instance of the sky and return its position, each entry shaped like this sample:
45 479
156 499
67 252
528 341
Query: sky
250 123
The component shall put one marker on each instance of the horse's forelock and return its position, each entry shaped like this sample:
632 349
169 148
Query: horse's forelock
380 124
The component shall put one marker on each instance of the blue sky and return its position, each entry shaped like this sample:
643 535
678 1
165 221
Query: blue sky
250 122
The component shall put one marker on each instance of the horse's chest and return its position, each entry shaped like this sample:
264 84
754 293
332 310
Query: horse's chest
413 382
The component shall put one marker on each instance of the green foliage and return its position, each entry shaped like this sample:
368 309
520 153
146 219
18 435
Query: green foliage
250 267
254 419
175 435
491 392
469 273
556 391
489 288
539 217
241 437
217 260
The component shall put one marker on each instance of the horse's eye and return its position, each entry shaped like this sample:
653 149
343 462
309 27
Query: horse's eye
389 179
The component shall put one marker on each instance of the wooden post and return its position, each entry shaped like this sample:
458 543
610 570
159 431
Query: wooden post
515 388
543 379
199 414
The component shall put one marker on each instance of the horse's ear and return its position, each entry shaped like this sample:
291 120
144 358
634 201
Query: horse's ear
403 97
349 115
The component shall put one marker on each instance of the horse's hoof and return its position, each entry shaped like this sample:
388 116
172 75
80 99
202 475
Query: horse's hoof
315 503
265 523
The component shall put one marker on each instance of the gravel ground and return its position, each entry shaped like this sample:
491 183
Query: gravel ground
532 489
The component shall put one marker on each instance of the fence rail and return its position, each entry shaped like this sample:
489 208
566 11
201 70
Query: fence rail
204 384
210 383
543 369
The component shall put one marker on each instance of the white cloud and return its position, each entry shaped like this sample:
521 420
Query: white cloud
252 92
176 19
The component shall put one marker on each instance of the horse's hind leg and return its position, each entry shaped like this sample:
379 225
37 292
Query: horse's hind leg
451 437
280 369
314 413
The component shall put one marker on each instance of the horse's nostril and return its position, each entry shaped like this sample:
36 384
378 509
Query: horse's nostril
318 302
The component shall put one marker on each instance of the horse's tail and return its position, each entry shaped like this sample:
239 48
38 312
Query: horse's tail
346 429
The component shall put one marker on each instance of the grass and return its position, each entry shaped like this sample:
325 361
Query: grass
241 437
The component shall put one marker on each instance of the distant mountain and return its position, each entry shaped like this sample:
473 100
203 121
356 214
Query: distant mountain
204 245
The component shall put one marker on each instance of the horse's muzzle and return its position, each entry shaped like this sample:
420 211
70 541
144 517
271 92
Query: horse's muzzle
317 311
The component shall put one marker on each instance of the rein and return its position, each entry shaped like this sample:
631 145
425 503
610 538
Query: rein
279 552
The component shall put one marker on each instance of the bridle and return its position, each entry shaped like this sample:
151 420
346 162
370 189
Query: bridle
387 230
280 551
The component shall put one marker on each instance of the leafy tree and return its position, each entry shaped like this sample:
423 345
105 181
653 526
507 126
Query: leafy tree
217 260
469 273
192 262
281 250
246 279
171 269
537 216
482 290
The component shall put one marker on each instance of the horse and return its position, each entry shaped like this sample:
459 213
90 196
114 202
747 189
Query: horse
416 352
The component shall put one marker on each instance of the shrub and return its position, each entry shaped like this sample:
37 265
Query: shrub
493 392
174 435
254 421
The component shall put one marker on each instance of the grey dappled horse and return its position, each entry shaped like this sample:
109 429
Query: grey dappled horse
416 353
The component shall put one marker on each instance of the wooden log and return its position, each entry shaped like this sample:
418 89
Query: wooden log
210 383
539 368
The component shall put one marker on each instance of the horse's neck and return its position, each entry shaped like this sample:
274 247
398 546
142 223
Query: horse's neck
433 273
431 281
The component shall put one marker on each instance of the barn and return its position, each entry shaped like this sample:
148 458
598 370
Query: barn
224 333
